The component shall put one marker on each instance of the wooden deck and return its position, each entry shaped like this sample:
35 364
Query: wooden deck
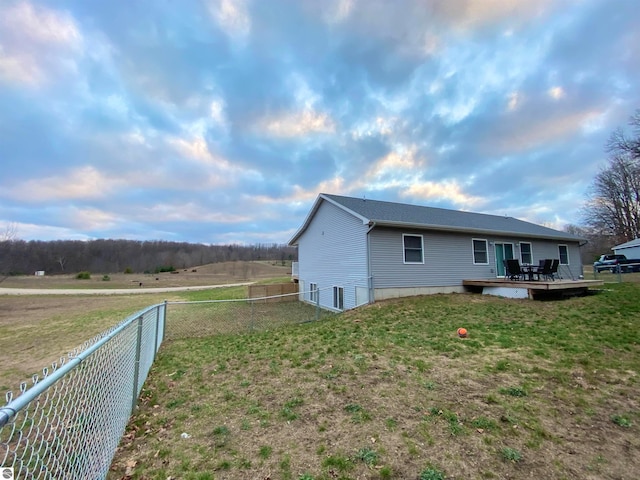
529 289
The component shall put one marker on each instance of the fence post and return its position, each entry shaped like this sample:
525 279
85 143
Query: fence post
164 320
136 370
158 321
251 316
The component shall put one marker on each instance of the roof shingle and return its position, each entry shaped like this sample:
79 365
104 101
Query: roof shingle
401 214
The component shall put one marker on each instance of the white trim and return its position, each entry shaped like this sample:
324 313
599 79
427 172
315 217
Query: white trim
336 297
473 250
530 252
560 256
314 293
404 259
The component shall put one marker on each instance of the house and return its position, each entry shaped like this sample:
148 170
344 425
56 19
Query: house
352 251
629 249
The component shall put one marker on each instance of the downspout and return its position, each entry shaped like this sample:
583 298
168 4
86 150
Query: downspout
372 225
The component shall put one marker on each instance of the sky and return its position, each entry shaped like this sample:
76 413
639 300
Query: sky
220 121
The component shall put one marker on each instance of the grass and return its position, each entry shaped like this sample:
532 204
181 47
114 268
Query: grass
431 473
510 454
389 391
393 381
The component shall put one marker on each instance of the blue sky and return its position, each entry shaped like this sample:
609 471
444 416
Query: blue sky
220 121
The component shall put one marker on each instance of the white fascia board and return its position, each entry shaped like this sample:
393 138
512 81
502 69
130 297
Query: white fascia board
322 197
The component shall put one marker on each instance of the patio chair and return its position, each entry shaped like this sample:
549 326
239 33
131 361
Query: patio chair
554 269
512 269
544 268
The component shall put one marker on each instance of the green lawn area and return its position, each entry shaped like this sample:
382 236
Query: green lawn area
539 389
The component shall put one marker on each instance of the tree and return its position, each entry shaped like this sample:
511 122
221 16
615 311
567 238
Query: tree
10 233
619 143
614 204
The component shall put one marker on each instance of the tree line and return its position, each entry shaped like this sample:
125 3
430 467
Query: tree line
19 257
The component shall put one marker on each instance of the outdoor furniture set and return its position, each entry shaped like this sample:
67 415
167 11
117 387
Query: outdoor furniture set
546 269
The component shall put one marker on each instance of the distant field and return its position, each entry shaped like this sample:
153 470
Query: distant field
37 330
212 274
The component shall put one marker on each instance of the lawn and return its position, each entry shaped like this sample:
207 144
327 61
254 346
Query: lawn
539 389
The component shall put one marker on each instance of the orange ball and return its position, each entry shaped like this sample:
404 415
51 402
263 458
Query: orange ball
462 332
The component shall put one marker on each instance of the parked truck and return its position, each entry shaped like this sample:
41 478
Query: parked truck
615 263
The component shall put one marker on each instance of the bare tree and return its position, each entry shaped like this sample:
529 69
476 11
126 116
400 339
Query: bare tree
620 143
62 261
10 232
613 206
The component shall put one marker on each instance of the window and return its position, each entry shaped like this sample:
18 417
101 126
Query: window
338 298
412 248
525 253
563 253
313 292
480 252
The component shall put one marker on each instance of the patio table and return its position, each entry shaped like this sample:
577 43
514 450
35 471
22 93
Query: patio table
530 270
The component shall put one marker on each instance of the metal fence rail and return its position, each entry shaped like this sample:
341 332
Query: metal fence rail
225 317
68 424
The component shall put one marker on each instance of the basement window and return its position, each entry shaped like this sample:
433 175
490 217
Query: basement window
338 298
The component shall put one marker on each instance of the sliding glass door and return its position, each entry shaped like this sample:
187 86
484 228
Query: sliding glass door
504 251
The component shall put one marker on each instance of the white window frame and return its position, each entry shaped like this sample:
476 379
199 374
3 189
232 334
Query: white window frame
404 249
313 292
530 253
560 256
473 250
338 298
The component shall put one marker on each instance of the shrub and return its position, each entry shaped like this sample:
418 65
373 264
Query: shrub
106 278
128 270
164 268
621 421
511 454
368 456
83 275
431 474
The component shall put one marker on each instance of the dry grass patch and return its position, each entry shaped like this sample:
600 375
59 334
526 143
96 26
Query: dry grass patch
212 274
389 391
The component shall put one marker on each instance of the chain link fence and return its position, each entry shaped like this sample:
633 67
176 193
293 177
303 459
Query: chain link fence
68 423
224 317
627 272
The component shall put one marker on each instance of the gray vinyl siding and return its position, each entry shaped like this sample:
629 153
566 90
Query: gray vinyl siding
549 249
448 258
332 251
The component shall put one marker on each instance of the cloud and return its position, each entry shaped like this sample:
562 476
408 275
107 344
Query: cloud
402 162
232 17
36 43
297 124
512 138
224 119
83 183
443 191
